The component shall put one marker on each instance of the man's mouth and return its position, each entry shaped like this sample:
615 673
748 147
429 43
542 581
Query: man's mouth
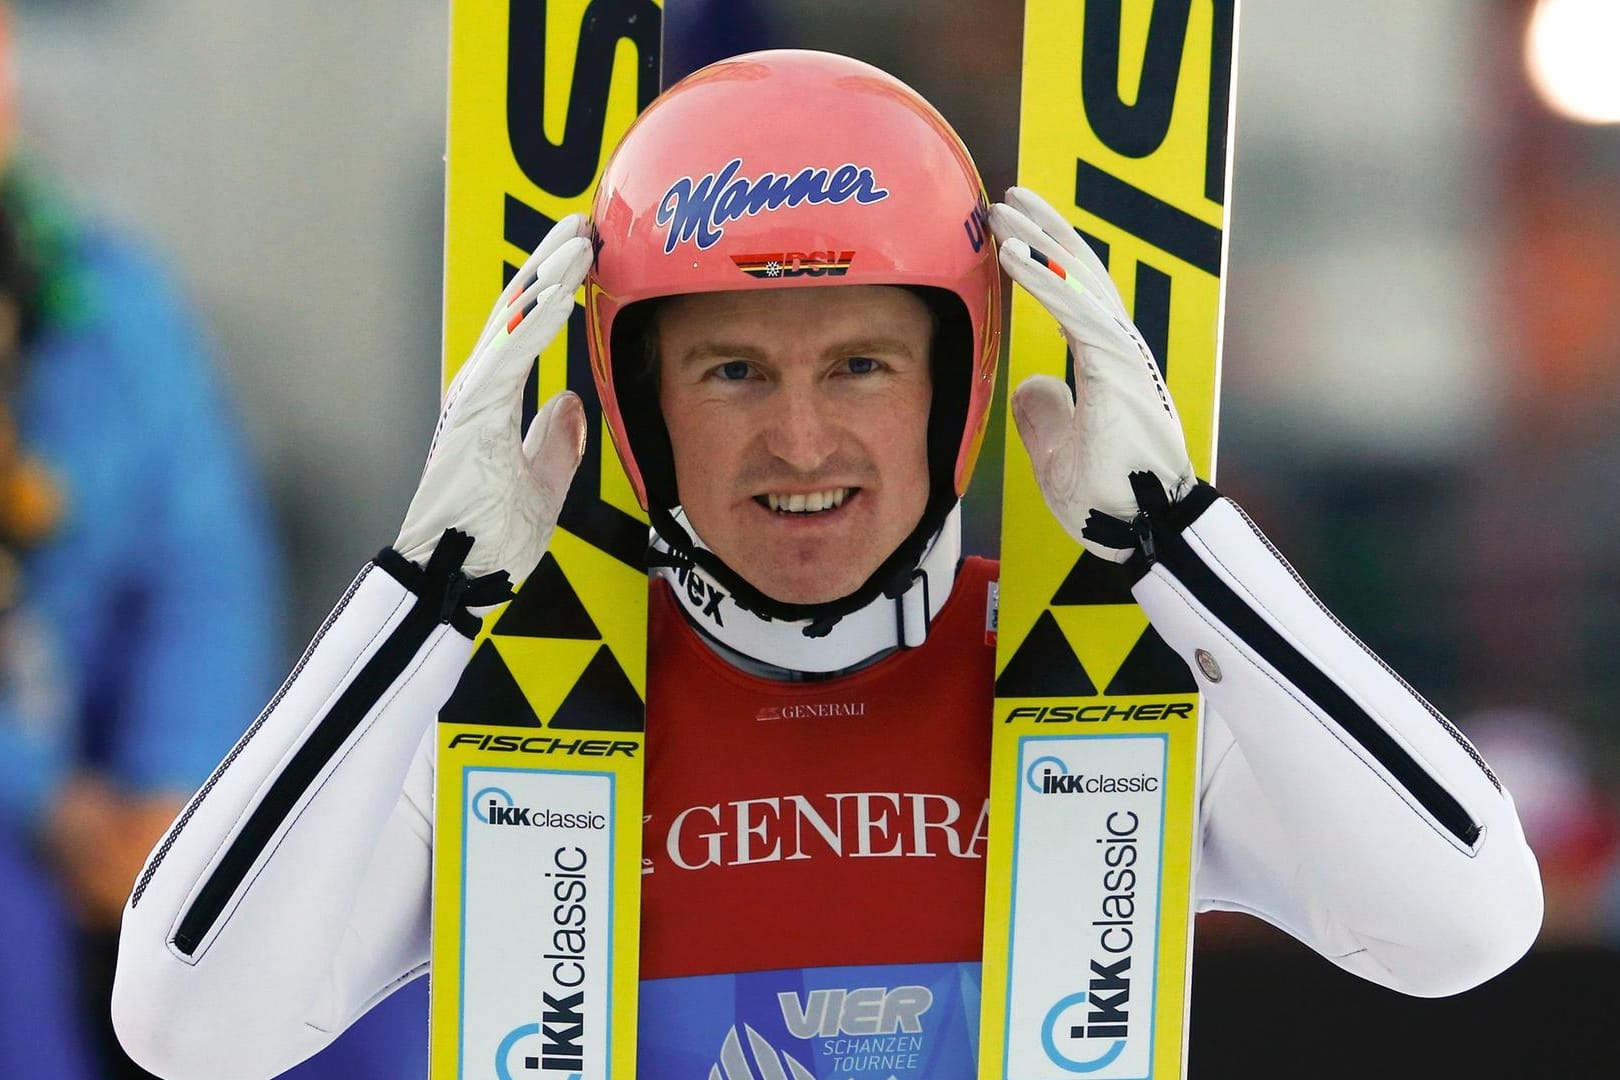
812 502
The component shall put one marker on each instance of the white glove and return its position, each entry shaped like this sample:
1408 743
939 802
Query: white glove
483 476
1125 422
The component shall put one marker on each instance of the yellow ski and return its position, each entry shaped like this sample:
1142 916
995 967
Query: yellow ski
537 830
1124 126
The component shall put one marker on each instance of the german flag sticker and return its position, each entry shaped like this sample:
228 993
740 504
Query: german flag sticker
792 264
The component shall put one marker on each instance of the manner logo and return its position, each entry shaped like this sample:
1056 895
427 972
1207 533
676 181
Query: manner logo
698 210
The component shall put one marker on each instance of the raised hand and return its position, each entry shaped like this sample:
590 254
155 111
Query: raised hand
1084 451
483 476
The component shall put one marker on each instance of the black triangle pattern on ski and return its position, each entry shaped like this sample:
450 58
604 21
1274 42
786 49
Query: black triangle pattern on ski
1152 667
547 607
602 699
488 695
1094 580
1045 666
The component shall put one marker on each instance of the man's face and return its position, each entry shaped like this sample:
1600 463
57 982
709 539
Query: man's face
781 402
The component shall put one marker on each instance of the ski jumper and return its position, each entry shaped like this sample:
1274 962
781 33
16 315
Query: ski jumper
1320 825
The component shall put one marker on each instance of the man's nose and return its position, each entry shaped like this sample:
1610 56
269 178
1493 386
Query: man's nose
803 433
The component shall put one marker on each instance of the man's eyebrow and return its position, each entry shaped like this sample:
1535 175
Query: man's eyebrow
705 351
865 345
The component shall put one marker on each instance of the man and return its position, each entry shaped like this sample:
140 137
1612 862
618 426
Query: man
800 442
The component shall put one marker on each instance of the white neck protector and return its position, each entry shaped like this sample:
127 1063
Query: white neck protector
880 626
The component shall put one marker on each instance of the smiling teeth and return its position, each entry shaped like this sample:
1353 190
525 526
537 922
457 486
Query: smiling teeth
807 504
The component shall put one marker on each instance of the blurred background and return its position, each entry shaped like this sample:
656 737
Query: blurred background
1421 404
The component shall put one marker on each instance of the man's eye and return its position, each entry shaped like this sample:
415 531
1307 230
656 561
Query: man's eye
733 370
862 365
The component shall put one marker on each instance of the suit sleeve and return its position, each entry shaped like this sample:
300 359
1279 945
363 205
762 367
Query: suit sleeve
291 894
1337 803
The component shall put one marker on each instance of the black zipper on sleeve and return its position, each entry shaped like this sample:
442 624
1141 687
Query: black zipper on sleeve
1172 550
442 590
242 744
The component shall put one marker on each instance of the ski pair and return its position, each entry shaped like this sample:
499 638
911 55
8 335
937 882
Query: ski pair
1123 122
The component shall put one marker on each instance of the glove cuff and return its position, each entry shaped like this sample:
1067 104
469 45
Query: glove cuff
1157 519
443 583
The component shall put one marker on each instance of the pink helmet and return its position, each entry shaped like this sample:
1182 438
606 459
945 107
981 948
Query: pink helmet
793 169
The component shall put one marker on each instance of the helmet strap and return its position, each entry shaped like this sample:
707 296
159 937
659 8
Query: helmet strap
805 637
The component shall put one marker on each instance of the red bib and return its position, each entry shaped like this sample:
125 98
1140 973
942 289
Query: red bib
812 824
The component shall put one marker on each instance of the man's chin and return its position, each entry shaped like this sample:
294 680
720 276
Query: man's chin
805 587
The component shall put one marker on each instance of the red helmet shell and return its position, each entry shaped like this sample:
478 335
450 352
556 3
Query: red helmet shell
792 169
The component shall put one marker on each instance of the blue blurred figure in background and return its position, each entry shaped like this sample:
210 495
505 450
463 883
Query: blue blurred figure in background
139 617
137 603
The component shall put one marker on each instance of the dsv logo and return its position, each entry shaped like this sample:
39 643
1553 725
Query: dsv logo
1050 775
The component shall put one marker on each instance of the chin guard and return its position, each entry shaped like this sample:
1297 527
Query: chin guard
817 638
